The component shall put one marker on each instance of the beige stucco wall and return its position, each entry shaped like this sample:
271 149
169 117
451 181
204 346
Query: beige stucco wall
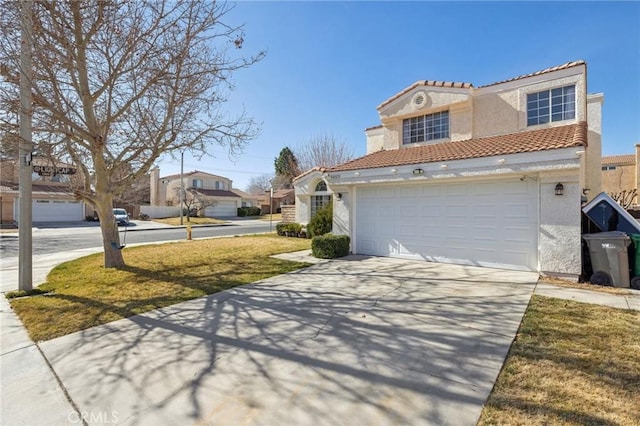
623 177
375 139
592 166
560 225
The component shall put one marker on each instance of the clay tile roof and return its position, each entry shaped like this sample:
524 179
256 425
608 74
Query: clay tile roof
431 83
619 160
379 126
548 70
216 192
572 135
319 169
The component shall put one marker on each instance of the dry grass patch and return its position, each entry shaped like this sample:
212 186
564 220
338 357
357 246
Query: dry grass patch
571 364
587 286
276 217
83 294
175 221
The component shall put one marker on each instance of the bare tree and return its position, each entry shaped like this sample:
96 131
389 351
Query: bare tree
626 198
195 201
123 82
323 150
258 185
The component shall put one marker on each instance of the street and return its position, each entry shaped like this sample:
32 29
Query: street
51 240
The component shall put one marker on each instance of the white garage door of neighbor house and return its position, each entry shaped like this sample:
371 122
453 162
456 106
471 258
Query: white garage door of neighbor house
489 223
57 211
223 208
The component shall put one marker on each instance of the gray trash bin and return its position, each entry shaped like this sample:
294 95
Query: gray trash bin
609 257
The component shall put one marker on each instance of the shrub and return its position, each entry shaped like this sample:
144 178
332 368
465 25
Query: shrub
294 228
143 216
322 222
281 228
329 246
248 211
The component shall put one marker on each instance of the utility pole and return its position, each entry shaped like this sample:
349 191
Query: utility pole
25 244
181 185
270 209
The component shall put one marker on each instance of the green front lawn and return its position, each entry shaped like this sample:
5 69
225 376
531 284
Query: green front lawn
83 294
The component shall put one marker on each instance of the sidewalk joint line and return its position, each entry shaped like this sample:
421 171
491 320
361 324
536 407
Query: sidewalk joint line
62 387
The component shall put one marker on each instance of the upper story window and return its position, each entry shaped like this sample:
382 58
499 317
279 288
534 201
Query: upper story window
551 105
321 186
425 128
608 168
197 183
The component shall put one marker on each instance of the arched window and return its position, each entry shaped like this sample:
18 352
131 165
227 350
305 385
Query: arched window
321 186
320 198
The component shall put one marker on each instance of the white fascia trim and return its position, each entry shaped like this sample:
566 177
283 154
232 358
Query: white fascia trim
576 71
424 88
532 162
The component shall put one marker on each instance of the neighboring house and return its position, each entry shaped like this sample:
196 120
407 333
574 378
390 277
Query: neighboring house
281 197
490 176
248 200
51 192
621 173
213 191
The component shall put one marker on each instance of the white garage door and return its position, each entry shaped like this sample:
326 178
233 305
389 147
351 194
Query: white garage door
57 211
223 208
491 223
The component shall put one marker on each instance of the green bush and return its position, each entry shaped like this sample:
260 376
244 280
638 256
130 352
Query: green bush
248 211
329 246
294 228
281 228
322 222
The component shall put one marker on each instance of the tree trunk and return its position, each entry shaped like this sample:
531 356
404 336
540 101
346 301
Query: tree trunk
110 235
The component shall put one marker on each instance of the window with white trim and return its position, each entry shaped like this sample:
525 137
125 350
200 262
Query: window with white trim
197 183
318 202
321 198
551 105
425 128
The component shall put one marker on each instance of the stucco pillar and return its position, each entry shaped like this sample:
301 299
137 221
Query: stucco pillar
560 226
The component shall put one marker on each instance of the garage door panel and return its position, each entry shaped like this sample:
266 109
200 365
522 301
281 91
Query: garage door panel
55 211
491 223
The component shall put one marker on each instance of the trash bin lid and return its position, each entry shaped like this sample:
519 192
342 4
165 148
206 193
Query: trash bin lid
612 235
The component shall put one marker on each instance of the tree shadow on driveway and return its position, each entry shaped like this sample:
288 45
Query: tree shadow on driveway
374 341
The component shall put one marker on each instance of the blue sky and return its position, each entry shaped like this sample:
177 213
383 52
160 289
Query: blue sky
329 64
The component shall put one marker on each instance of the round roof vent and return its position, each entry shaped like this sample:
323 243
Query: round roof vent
420 100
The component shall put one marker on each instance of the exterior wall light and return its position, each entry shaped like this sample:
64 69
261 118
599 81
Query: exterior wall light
559 189
357 173
417 172
501 161
339 196
394 171
443 166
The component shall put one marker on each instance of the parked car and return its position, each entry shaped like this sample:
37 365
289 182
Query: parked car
122 217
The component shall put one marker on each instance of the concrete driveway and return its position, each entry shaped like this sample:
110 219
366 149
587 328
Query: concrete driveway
354 341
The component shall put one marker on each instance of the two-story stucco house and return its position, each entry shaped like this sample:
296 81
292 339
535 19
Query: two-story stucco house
490 176
215 191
